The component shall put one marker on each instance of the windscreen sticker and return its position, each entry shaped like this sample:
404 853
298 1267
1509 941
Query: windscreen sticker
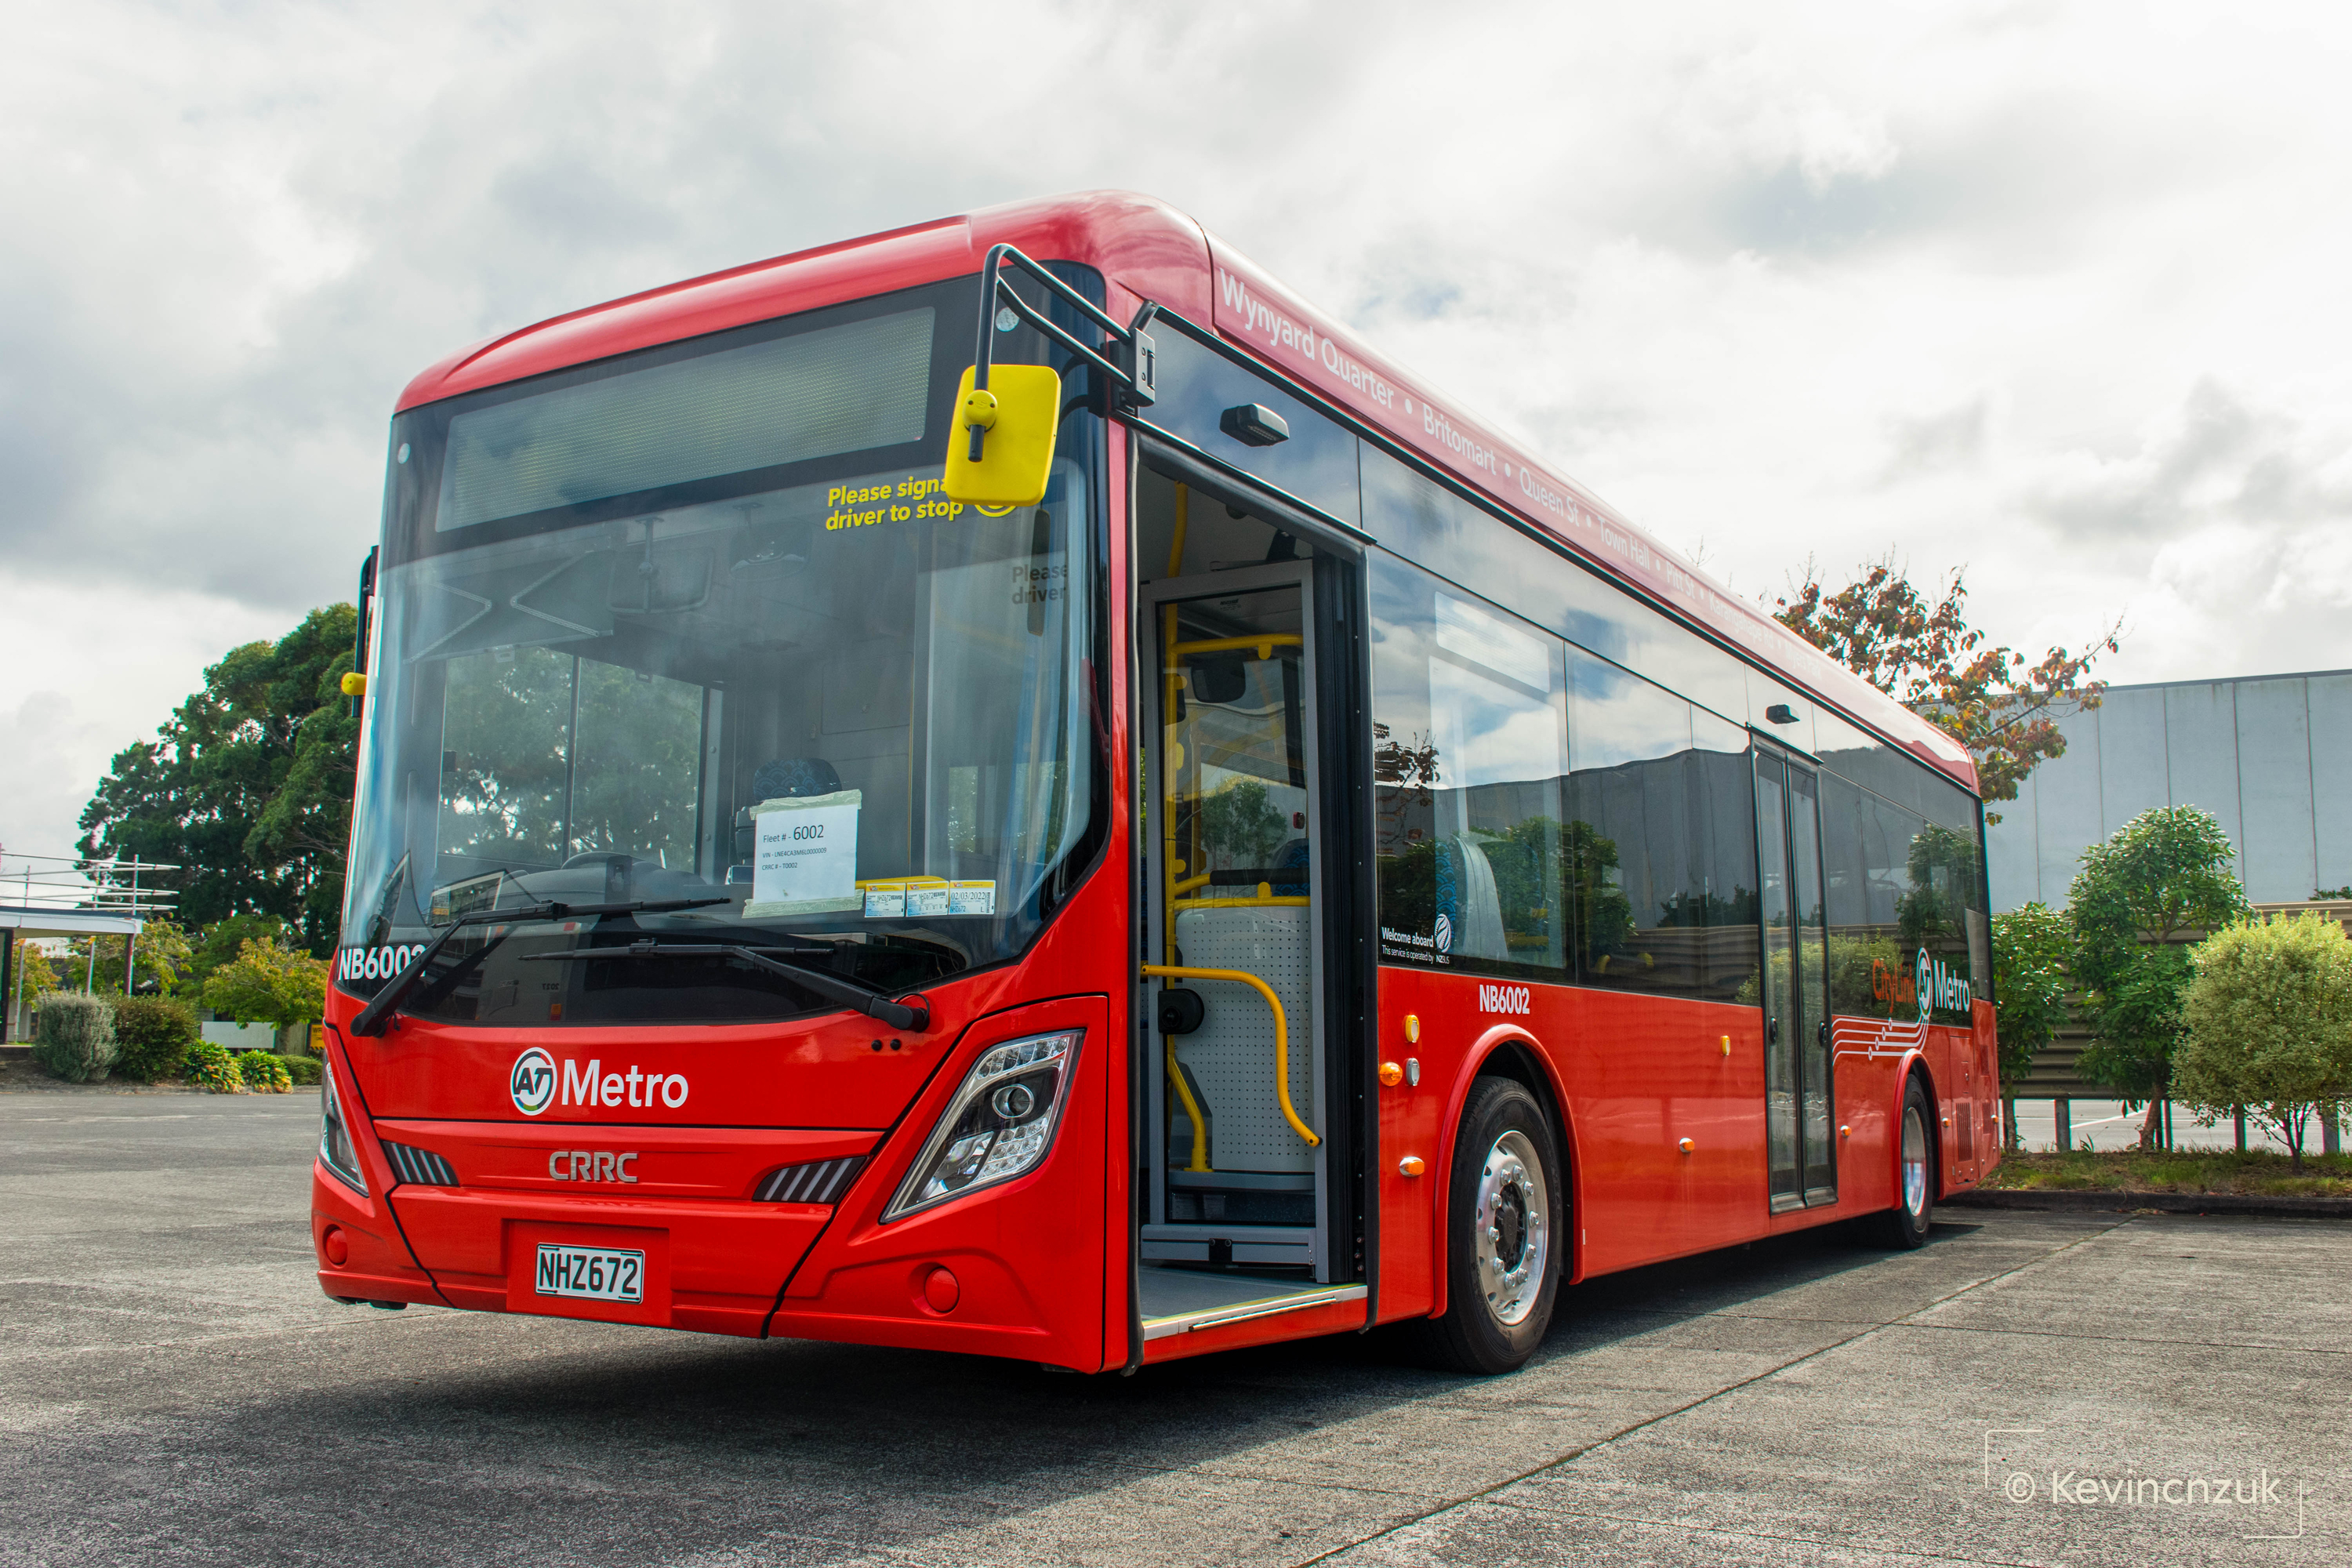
804 855
863 506
972 898
884 900
926 898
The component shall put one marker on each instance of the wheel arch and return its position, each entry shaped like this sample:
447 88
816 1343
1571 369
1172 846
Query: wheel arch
1916 1065
1503 1051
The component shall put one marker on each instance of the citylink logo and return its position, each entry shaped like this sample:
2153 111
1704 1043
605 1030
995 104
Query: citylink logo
532 1082
1940 985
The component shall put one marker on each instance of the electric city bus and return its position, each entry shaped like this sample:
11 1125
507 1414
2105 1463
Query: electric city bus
1009 787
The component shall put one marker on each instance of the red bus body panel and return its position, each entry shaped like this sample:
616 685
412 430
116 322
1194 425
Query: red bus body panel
1037 1264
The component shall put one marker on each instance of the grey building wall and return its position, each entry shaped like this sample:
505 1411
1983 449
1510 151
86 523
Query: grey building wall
2270 756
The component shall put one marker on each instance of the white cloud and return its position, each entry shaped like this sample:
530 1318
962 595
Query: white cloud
2048 289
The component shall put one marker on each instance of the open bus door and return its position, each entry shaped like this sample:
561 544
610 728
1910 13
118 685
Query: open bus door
1255 1048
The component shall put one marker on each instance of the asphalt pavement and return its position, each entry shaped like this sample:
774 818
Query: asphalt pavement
2027 1388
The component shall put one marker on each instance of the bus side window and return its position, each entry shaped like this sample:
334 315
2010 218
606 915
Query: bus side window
1662 840
1470 757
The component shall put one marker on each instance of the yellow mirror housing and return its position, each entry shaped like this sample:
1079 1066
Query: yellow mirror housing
354 683
1020 412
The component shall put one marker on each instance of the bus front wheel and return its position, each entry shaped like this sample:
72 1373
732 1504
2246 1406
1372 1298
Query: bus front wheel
1507 1232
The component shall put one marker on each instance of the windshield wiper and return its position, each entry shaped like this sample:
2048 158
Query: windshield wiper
370 1019
870 1000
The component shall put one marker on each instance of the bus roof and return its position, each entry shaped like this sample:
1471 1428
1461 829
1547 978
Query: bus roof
1146 249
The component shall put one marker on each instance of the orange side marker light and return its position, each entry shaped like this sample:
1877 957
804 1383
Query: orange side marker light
1411 1165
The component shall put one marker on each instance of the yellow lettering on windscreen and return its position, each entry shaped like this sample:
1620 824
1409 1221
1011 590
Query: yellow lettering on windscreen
855 506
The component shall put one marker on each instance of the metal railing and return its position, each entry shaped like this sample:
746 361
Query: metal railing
80 885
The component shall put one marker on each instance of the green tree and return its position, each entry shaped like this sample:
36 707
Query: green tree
268 983
249 785
1239 824
2165 873
2033 967
2269 1018
220 942
160 957
35 977
1926 656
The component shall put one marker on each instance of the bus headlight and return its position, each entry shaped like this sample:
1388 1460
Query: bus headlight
999 1125
336 1150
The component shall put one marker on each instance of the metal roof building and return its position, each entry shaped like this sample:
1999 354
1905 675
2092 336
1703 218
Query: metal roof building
2270 755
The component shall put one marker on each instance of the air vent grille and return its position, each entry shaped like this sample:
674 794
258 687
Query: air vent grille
819 1182
421 1166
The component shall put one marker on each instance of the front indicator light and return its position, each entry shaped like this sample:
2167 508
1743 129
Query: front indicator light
998 1126
336 1150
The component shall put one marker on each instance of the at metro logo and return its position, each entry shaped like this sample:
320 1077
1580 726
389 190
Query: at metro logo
590 1086
536 1082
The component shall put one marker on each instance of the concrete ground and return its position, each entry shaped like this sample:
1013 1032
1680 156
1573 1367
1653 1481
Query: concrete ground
174 1389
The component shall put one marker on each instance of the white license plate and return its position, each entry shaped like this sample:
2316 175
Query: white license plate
592 1273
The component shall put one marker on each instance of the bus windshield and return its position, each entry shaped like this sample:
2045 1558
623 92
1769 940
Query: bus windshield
697 627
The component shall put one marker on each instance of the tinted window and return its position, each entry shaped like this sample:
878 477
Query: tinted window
1422 520
1899 883
1197 384
1661 839
1469 757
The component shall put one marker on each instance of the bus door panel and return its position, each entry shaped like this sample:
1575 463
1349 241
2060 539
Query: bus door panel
1237 1116
1798 1108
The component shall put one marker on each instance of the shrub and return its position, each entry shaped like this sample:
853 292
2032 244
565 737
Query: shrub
75 1038
211 1066
152 1036
306 1069
2269 1021
264 1072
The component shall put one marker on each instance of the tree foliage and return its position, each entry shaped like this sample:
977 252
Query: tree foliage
2269 1021
248 787
34 974
1923 653
268 983
2032 966
2163 874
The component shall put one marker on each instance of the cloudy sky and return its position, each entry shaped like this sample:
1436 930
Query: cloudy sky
2053 292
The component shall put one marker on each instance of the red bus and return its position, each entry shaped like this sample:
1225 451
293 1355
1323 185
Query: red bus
1299 865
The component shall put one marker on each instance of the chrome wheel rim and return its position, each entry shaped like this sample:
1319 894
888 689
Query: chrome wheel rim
1512 1223
1915 1162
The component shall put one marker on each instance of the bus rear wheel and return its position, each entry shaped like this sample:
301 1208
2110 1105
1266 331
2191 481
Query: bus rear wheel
1507 1232
1905 1226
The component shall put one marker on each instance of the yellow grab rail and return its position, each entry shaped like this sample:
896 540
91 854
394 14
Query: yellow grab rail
1264 643
1281 1036
1200 1160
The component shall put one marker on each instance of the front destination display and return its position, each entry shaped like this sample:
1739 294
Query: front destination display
1009 787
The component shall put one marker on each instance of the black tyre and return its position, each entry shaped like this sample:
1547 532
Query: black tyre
1507 1230
1905 1226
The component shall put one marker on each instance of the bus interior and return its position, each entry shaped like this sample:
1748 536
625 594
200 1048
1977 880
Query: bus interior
1244 1195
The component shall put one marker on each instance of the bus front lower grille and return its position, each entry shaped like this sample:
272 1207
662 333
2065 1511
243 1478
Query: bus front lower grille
819 1182
421 1167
